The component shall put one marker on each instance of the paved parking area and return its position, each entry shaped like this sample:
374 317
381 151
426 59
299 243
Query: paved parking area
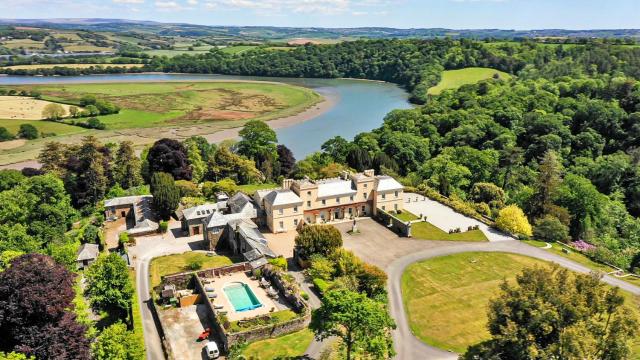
182 327
282 243
446 218
375 244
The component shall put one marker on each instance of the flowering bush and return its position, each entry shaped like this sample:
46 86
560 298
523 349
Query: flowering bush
582 245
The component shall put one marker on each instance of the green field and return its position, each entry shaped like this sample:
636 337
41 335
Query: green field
283 347
171 264
427 231
42 126
453 79
446 298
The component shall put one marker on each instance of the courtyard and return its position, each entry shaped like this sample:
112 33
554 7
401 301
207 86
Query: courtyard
445 218
182 326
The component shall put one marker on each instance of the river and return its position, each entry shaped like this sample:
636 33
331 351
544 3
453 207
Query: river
358 105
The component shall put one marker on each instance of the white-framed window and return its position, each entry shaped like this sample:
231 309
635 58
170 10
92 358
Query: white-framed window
308 220
308 193
322 216
308 203
350 211
280 211
295 222
365 185
324 202
396 193
351 198
384 196
281 225
383 207
364 195
295 209
337 200
364 209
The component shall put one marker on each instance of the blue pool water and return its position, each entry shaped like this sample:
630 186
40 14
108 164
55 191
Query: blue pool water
242 297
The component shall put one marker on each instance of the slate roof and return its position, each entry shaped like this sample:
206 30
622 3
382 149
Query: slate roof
199 212
88 252
124 200
249 231
387 183
282 197
241 203
335 187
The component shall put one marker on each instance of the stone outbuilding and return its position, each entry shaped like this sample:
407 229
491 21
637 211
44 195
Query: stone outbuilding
87 254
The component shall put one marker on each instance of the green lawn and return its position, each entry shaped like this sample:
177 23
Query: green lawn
283 347
237 49
251 188
427 231
172 264
406 216
452 79
446 298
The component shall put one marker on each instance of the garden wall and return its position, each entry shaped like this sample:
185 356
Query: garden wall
393 223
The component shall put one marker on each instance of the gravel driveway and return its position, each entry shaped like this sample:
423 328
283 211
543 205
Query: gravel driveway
445 218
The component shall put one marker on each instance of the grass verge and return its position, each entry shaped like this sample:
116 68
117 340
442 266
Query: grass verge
427 231
135 311
406 216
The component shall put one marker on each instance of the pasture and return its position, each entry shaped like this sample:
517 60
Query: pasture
453 79
23 108
446 298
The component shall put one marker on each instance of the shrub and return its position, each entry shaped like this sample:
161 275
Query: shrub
320 285
163 226
346 263
187 188
512 220
5 135
194 264
279 262
550 229
28 131
304 295
321 267
372 280
318 239
123 238
209 189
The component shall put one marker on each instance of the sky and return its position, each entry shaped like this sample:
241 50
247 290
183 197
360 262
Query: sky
454 14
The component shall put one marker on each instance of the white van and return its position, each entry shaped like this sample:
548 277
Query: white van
212 350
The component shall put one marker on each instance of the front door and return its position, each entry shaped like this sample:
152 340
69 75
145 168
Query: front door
196 230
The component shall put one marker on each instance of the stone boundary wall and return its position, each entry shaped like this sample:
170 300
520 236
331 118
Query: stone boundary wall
270 331
166 347
393 223
184 279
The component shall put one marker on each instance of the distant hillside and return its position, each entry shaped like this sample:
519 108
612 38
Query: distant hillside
263 33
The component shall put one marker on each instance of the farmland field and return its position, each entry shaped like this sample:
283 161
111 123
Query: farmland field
446 298
23 108
73 66
452 79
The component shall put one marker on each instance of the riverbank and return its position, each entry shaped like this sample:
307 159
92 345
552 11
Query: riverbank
24 155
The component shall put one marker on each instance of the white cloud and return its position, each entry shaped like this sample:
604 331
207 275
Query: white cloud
167 5
192 2
296 6
128 1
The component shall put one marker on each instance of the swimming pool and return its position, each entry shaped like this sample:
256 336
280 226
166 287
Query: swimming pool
241 296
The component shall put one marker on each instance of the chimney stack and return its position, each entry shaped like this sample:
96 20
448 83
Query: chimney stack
369 173
286 183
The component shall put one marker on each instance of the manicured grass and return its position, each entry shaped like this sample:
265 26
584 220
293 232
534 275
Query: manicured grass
452 79
172 264
283 347
446 298
251 188
406 216
237 49
427 231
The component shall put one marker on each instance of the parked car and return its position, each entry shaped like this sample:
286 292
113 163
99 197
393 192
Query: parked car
212 350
